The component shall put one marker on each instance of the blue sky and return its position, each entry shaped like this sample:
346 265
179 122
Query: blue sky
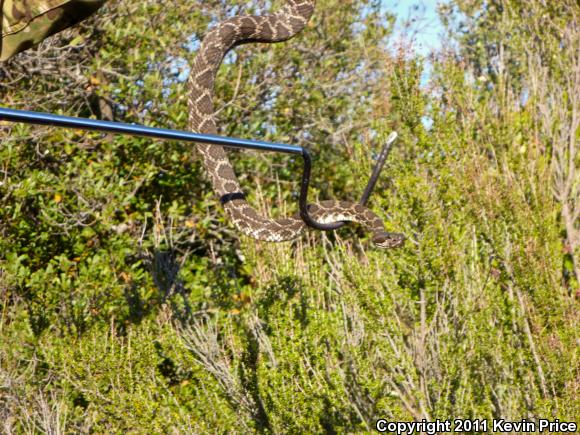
426 26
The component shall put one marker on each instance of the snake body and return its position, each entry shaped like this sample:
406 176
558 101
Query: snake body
279 26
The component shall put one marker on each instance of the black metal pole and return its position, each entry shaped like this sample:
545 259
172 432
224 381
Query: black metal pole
141 130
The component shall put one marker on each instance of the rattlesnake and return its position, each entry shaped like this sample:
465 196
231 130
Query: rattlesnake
279 26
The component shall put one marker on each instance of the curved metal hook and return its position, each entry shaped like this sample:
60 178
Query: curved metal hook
303 201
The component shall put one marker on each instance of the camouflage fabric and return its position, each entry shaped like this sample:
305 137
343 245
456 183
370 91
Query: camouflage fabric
27 22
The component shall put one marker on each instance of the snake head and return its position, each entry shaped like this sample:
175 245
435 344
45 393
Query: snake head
389 240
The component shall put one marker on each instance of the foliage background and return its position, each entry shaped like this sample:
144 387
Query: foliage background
128 303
